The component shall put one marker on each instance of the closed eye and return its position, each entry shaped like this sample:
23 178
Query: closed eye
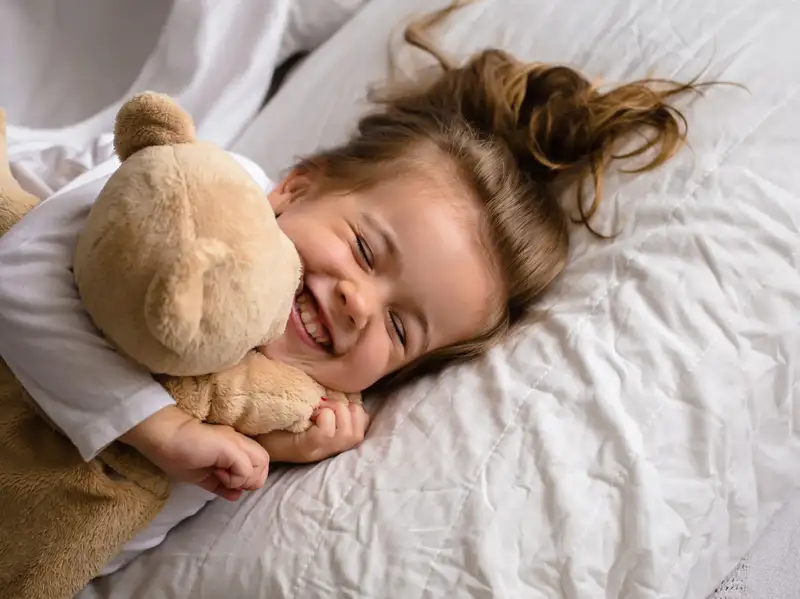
365 251
399 329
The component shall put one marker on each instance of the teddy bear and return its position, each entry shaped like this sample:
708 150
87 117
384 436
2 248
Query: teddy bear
182 267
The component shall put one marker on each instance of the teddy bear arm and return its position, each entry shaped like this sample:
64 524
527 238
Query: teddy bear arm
259 395
192 394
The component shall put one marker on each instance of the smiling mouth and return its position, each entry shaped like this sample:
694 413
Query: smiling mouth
308 311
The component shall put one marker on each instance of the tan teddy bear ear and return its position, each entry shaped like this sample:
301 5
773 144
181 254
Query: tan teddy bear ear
150 119
175 300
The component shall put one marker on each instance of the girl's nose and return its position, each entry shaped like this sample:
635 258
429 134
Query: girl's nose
354 304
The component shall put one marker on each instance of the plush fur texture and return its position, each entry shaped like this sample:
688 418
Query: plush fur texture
20 200
182 265
184 232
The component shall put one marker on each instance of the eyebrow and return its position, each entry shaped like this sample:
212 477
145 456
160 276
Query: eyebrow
390 242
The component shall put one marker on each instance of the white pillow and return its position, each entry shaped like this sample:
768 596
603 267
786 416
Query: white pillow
635 442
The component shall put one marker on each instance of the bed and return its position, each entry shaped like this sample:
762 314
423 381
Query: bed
641 438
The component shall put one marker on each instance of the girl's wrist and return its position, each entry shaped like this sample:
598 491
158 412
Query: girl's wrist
152 434
283 447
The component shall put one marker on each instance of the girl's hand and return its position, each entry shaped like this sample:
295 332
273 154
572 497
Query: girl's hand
336 428
216 458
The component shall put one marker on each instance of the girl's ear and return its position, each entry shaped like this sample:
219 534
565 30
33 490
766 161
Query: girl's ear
294 186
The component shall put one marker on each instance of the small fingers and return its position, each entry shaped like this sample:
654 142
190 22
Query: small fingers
344 421
360 422
254 474
263 473
351 424
325 422
337 428
260 462
222 476
210 483
228 494
239 469
213 484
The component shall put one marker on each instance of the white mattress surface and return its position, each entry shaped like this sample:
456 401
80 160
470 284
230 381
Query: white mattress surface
631 444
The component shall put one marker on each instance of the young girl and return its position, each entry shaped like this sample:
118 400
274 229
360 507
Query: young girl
425 239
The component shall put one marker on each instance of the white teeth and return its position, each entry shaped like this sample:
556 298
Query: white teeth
309 317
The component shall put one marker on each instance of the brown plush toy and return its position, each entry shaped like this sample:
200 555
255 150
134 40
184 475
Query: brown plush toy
183 268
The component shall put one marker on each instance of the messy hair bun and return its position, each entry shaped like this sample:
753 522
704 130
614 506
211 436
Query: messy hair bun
554 121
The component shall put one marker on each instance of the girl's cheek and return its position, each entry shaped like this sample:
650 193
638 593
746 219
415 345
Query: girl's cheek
324 252
372 362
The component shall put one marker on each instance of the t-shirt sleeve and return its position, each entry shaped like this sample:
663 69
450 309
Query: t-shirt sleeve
92 393
254 171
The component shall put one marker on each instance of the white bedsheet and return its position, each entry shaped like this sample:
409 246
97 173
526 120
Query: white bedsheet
635 442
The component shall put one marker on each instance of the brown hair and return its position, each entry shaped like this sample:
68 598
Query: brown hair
513 131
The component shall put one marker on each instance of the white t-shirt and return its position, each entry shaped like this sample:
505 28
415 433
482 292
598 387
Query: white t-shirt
89 391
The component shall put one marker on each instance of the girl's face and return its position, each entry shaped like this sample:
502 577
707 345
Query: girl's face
390 274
